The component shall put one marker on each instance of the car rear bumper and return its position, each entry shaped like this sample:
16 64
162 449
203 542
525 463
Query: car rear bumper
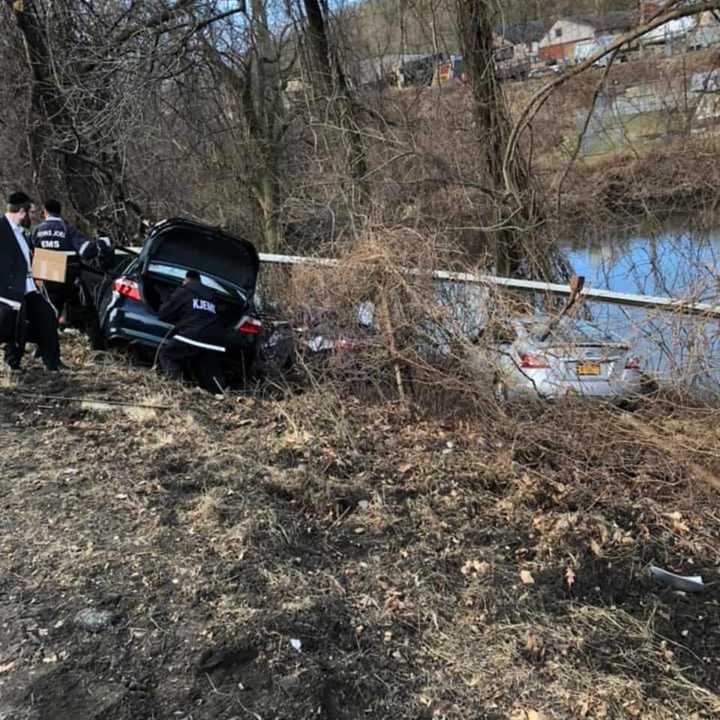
628 385
119 329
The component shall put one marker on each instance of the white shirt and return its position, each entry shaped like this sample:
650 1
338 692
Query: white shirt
22 243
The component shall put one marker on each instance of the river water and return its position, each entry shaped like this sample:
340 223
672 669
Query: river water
673 259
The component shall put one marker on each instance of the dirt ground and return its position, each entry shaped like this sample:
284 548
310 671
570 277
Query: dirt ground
305 554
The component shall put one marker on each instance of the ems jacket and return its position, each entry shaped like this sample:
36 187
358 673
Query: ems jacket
193 310
55 234
13 267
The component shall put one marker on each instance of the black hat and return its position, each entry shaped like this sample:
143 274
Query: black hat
19 198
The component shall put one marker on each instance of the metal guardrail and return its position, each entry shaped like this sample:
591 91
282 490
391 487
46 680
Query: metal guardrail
675 305
679 306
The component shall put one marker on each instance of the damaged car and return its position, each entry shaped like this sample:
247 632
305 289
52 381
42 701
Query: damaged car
555 357
128 299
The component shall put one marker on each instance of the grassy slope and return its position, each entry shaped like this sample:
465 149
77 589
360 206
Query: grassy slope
489 567
436 140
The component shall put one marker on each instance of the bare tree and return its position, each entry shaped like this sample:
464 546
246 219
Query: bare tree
90 69
248 102
331 85
515 250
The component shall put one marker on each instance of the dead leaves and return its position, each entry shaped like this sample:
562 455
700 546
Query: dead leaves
526 577
677 523
569 576
534 647
522 714
474 568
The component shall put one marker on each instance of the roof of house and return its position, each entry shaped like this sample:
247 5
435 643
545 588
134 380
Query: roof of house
608 22
530 31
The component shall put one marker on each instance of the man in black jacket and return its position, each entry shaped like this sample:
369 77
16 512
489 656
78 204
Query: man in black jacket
198 337
53 233
20 302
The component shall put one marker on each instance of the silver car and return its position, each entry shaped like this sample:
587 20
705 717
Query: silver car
544 358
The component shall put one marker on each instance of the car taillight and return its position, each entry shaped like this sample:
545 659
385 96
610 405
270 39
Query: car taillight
527 360
127 288
632 363
250 326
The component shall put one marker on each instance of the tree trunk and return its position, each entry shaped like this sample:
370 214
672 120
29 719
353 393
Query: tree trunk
329 80
514 252
43 103
61 170
321 62
265 99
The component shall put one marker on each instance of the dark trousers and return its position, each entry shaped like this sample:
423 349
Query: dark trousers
57 292
177 359
65 293
41 328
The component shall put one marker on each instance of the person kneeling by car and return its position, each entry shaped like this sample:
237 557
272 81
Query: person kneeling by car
197 341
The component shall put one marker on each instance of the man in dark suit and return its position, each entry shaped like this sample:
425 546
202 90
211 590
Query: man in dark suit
24 312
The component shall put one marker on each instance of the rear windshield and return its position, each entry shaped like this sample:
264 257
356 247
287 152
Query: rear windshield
178 274
210 254
572 331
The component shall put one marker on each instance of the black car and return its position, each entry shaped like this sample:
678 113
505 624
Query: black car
128 296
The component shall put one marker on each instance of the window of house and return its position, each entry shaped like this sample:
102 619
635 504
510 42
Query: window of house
558 32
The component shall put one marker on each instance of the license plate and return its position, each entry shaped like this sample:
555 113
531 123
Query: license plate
588 369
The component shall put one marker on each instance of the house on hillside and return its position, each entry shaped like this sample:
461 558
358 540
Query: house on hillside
559 41
670 32
508 64
706 32
523 39
697 31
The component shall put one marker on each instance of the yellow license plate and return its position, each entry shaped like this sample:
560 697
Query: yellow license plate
588 369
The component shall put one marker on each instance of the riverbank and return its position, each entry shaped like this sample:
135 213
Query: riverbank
305 554
435 177
680 176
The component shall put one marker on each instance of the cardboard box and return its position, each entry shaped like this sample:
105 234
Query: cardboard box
49 265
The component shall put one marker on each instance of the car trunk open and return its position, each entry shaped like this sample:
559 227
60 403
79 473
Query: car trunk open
160 281
184 244
228 265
